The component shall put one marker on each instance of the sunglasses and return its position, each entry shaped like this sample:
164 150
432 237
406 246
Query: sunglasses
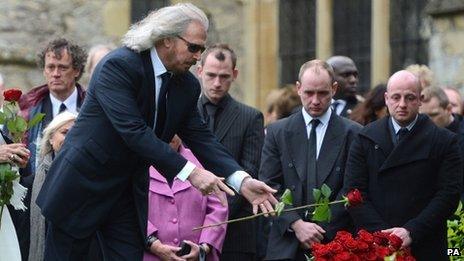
191 47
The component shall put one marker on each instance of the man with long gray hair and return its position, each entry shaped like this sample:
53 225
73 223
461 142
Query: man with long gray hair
138 98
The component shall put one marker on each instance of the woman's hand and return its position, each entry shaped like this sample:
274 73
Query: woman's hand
194 252
15 153
165 252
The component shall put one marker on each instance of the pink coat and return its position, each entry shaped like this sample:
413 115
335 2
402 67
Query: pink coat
173 212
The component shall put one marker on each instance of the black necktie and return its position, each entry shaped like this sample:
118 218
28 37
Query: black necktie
62 108
402 133
161 117
211 110
312 161
335 105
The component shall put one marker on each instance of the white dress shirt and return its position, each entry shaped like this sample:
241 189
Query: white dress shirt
397 127
320 129
340 106
70 102
234 180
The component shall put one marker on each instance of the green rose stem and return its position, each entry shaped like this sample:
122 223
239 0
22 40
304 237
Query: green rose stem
271 212
1 215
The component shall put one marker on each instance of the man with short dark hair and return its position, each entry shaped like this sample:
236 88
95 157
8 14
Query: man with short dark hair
63 64
409 172
302 152
347 77
240 129
436 105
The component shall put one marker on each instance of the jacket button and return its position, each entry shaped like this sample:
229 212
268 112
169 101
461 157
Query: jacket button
376 147
290 165
292 187
174 220
176 241
172 201
337 168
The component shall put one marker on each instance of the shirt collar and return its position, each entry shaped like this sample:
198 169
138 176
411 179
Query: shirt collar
339 101
70 102
324 118
397 127
158 65
221 104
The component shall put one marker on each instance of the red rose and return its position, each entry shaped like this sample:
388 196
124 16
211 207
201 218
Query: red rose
369 256
351 244
365 236
362 246
381 238
343 256
342 236
354 197
395 241
320 250
335 247
382 252
12 95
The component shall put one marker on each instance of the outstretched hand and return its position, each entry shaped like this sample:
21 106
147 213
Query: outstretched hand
208 183
259 195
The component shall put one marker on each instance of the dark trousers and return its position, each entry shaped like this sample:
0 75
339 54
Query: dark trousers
119 238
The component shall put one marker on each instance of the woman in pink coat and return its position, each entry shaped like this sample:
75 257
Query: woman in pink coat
174 210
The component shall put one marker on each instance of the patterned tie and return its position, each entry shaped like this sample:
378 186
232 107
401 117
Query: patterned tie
161 117
62 108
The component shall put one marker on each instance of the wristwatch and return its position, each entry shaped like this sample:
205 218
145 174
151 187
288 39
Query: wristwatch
150 240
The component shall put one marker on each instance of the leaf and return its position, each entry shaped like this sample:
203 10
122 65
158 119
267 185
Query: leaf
390 258
326 191
287 197
322 213
21 125
11 125
2 118
279 207
316 194
35 120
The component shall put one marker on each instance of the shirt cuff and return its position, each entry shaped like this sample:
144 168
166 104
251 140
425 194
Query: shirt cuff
186 171
235 180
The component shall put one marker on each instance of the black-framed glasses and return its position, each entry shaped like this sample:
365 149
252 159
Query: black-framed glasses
191 47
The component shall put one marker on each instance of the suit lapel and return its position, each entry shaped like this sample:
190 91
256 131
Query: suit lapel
297 137
228 116
330 149
149 84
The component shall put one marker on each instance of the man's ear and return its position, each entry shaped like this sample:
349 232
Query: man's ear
449 109
334 87
199 70
235 73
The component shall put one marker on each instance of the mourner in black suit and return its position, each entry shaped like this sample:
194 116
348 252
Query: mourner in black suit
240 129
347 77
302 152
99 180
409 172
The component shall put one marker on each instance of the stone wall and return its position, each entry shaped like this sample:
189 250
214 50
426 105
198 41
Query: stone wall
26 26
446 43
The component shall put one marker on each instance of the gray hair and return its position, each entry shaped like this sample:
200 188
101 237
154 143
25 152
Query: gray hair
163 23
59 121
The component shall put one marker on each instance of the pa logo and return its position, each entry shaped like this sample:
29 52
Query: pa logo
453 252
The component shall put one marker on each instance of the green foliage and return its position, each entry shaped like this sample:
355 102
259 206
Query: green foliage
6 183
35 120
456 231
322 211
285 200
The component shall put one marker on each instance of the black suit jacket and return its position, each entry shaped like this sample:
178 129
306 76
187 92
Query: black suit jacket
240 129
415 184
112 144
284 165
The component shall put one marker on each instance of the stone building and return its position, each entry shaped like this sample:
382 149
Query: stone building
272 38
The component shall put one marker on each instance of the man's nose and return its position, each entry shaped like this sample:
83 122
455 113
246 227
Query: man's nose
56 72
217 81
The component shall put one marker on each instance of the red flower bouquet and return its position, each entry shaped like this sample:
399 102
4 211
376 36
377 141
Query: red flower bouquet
365 246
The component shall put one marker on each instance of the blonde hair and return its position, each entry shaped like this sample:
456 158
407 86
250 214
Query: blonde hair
163 23
59 121
423 73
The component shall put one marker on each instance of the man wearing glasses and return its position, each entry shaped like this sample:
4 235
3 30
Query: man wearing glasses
138 98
